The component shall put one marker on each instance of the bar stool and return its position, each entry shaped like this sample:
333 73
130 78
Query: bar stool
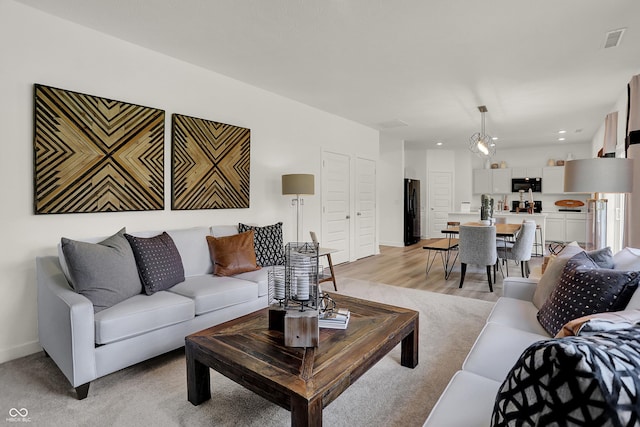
538 242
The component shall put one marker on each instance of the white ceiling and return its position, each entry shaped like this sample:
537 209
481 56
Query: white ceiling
538 66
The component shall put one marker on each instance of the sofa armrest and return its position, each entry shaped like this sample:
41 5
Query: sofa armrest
65 323
519 288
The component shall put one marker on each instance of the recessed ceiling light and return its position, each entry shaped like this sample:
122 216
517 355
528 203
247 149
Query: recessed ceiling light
438 143
495 138
562 131
561 139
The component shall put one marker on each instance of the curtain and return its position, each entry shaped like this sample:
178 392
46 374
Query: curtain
632 144
610 135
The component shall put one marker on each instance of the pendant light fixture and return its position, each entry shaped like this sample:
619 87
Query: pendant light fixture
480 143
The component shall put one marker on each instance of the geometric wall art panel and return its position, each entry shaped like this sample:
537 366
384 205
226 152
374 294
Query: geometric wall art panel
94 154
210 164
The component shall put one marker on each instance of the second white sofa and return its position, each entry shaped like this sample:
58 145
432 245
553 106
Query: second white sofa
511 327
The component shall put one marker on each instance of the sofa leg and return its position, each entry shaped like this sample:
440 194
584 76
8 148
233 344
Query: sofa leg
489 278
82 391
463 271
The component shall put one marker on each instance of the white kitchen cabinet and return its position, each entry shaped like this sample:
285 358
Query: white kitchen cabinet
553 180
492 181
501 181
555 227
566 227
526 172
482 181
576 228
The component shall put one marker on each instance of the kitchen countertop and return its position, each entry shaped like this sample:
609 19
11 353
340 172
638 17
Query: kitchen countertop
502 213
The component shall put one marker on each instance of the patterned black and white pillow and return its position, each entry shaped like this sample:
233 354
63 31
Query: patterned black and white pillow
577 381
585 289
267 242
158 260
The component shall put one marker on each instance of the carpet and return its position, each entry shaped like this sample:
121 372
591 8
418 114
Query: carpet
154 392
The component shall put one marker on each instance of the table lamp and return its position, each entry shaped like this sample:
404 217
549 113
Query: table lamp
298 184
600 175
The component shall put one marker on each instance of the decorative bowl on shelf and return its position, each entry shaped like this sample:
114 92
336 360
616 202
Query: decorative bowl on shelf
494 166
559 162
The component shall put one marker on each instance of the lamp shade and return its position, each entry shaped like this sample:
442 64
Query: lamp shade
298 183
601 175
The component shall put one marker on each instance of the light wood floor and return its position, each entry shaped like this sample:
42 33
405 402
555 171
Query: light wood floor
406 267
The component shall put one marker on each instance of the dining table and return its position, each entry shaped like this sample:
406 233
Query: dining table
502 230
506 231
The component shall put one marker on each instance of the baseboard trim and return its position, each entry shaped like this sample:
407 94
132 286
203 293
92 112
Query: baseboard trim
7 354
392 243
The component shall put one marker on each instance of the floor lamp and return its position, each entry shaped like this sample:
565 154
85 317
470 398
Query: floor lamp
601 175
298 184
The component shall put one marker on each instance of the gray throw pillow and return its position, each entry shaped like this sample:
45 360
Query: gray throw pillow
104 272
551 275
586 289
158 260
603 257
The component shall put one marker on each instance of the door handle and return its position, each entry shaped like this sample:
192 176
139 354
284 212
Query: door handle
359 214
347 217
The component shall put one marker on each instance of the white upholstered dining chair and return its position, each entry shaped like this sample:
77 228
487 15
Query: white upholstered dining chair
520 249
477 246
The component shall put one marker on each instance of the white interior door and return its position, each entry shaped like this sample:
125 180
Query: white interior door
365 225
336 221
440 201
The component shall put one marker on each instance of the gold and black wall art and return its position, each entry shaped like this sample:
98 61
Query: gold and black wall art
93 154
210 164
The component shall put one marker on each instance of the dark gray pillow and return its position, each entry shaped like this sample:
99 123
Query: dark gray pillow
159 262
104 272
267 243
585 289
603 257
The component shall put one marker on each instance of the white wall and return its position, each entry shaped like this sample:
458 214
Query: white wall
286 137
391 192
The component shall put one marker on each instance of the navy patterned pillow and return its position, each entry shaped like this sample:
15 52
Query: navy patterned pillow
585 289
267 242
158 260
574 381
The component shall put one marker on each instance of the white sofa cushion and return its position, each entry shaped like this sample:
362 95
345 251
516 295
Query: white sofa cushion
192 246
628 259
211 292
140 314
466 402
516 314
261 277
223 230
497 349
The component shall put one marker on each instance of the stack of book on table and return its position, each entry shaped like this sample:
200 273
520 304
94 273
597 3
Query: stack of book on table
338 319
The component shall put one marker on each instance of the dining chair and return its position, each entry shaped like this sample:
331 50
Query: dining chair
477 245
520 249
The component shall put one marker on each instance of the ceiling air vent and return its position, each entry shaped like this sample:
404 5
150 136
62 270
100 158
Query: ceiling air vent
392 124
613 38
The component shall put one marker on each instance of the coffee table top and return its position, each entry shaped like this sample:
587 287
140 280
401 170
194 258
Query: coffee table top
248 352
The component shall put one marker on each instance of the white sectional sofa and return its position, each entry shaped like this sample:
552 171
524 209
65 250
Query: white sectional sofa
511 327
87 345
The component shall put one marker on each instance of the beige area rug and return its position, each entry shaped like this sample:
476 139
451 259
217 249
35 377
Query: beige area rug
154 392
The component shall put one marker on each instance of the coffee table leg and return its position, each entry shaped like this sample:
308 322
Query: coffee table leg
305 413
198 380
409 349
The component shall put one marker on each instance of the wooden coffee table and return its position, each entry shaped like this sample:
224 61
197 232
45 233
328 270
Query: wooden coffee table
301 380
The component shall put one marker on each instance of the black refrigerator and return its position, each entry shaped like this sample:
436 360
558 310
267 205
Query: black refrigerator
411 211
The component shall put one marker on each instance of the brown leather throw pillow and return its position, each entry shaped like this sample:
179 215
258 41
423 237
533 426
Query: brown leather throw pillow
232 254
